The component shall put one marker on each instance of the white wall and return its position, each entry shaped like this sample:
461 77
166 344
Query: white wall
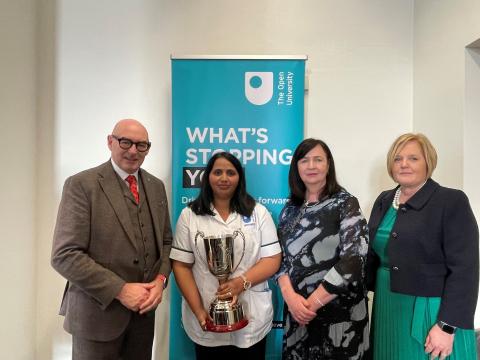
471 129
371 77
114 62
51 340
360 98
442 31
17 190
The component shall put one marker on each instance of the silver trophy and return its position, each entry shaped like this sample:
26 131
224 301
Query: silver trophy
219 260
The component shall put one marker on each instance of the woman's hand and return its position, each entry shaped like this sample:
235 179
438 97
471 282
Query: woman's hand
203 317
230 290
319 298
298 307
297 304
438 343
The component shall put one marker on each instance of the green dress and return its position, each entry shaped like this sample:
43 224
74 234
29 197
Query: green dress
400 323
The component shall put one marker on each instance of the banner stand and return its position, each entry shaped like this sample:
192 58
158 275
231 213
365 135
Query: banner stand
253 107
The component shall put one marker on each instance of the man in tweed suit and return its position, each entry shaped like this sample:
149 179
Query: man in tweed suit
112 243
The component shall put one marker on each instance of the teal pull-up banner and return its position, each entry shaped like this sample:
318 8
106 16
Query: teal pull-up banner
252 107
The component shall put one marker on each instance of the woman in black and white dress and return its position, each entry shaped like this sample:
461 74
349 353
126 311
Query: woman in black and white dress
324 238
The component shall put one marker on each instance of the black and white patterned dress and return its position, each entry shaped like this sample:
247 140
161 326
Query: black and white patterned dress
326 243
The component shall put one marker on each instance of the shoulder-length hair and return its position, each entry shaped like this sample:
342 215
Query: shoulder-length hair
429 152
297 187
241 202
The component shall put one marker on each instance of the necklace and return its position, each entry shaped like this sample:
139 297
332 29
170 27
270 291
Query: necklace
396 199
309 205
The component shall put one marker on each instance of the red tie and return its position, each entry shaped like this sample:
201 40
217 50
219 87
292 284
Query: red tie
132 181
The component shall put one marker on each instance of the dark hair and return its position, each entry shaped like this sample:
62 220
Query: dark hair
297 187
241 201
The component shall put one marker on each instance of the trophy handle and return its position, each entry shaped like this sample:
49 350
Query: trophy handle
235 233
197 235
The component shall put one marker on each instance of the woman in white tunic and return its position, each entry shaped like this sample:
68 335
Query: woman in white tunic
223 207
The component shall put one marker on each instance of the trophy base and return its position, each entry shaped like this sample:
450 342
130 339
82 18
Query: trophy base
226 328
226 317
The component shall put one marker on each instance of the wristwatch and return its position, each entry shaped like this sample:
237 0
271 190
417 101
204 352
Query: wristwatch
449 329
246 284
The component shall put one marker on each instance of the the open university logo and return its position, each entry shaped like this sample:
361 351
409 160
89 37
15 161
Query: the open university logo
258 87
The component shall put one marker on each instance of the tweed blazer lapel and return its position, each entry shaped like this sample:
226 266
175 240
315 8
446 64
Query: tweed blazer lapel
109 183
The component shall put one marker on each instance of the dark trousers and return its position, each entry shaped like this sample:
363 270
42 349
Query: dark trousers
135 343
230 352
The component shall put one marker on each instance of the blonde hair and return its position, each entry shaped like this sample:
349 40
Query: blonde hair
429 152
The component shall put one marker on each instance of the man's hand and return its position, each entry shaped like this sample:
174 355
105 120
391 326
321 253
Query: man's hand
133 295
155 296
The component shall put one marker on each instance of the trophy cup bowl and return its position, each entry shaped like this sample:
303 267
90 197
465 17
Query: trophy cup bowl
219 259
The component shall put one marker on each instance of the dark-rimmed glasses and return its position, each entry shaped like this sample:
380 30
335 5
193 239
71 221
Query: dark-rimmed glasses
126 144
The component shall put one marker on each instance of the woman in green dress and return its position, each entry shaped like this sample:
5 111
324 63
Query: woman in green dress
423 262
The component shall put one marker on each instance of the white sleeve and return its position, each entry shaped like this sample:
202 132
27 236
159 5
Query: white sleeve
182 247
268 232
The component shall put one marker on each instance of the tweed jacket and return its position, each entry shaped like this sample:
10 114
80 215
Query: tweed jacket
432 250
94 248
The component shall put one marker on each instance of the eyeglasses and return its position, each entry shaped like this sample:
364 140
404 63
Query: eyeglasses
126 144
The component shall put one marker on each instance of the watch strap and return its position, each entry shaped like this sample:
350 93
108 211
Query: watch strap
449 329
